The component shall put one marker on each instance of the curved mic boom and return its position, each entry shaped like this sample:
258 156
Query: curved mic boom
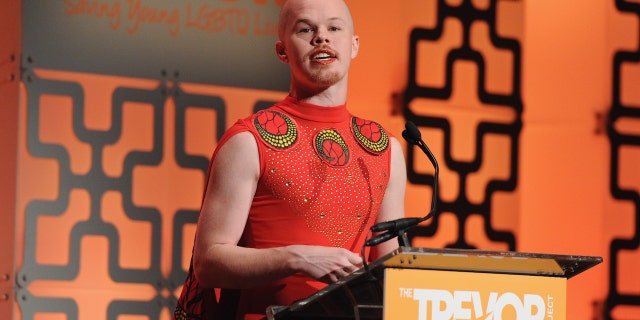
413 136
398 227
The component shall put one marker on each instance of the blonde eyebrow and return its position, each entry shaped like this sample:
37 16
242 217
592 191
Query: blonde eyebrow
307 21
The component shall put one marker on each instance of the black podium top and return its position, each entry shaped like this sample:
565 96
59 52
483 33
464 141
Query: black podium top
504 262
359 295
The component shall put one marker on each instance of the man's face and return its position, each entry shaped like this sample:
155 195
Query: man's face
317 40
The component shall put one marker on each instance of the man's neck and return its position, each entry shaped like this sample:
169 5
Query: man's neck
334 95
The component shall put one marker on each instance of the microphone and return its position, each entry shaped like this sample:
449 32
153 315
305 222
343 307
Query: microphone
413 136
397 227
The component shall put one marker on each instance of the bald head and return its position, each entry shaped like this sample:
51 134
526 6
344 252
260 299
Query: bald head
292 9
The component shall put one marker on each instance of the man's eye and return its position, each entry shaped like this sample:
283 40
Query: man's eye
334 29
305 30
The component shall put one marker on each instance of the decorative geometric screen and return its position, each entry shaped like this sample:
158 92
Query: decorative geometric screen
122 105
464 93
624 136
112 174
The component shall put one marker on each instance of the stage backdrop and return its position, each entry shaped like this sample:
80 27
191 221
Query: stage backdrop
111 109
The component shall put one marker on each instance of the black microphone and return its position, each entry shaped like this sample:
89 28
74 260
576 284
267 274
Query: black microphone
413 136
395 227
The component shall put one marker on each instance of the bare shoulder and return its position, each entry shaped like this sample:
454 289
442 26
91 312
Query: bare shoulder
395 144
241 141
236 159
397 154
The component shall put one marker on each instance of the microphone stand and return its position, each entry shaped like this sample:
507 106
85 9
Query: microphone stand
398 228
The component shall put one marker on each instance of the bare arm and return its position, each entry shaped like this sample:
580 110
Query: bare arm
393 202
219 261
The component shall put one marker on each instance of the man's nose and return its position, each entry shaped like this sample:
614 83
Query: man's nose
320 38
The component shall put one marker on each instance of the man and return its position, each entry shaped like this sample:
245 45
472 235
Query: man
292 190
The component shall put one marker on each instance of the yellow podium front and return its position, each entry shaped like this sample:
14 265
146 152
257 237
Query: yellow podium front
439 295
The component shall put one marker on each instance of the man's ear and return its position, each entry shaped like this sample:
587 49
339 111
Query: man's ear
355 45
281 51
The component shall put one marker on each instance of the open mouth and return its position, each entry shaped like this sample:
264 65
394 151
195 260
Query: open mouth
323 56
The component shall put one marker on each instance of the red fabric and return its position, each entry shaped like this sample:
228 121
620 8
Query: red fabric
323 177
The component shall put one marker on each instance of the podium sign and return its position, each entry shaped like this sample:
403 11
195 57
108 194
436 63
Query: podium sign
430 295
437 284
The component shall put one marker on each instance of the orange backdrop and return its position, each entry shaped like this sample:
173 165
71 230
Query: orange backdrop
78 248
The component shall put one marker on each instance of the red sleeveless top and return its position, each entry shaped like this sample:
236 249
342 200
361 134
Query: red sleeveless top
323 174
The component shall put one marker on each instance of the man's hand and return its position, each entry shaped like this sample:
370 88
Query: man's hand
326 264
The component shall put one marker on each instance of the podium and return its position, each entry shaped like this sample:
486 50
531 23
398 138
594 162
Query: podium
421 283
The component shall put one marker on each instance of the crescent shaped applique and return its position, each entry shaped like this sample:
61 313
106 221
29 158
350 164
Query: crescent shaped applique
276 129
370 135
